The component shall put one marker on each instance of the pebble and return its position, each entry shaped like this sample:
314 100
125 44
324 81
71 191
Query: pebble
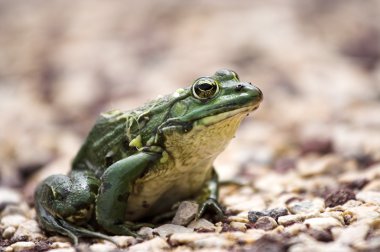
339 197
146 232
60 245
253 216
9 196
186 212
323 222
239 226
155 244
12 220
8 232
168 229
202 225
295 229
62 250
254 202
306 206
290 219
216 242
103 247
364 212
124 241
372 186
266 223
186 238
314 166
22 246
353 234
369 197
29 229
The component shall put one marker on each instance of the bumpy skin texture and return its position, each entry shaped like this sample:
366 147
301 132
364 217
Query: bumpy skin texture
137 164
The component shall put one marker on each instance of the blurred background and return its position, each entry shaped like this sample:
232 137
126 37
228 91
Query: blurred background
62 63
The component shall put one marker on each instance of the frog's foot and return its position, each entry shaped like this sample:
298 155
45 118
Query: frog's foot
211 205
63 227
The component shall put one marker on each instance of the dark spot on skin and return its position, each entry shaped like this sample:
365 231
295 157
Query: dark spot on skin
187 127
125 144
123 197
109 158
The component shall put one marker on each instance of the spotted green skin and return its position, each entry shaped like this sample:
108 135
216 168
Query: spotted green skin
137 164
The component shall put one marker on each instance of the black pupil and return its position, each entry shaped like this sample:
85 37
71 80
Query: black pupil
205 90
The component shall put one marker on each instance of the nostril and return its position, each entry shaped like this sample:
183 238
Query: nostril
239 87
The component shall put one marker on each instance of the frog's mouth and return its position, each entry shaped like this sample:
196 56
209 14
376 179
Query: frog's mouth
218 117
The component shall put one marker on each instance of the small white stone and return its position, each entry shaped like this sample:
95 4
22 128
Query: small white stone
168 229
313 166
353 234
323 222
290 219
12 220
187 238
369 197
29 229
62 250
156 244
9 196
146 232
22 245
124 241
8 232
238 226
202 224
306 206
217 242
364 212
372 186
295 229
60 245
103 247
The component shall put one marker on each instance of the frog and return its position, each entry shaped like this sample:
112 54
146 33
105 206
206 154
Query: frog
137 164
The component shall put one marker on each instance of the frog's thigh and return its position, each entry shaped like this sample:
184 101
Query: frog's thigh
116 185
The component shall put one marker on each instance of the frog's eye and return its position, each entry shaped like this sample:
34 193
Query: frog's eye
205 88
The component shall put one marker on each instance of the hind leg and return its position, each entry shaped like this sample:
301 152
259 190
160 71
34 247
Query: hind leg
65 203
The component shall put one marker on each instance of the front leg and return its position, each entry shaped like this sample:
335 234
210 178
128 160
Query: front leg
116 185
208 199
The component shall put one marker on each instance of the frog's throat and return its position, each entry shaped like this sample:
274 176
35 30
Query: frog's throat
209 120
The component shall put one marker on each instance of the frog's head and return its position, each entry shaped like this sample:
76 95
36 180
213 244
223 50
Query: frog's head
212 108
212 99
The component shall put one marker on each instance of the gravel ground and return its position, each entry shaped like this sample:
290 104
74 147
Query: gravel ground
308 161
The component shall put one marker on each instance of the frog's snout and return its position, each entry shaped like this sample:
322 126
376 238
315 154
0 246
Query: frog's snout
255 92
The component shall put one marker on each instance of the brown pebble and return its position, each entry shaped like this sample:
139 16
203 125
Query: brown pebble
339 197
267 243
320 146
321 235
266 223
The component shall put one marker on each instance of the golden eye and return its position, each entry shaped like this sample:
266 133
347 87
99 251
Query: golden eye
205 88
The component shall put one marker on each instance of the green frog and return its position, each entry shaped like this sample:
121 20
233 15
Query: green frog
137 164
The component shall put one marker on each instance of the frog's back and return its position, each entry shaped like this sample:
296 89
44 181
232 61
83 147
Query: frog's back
106 143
